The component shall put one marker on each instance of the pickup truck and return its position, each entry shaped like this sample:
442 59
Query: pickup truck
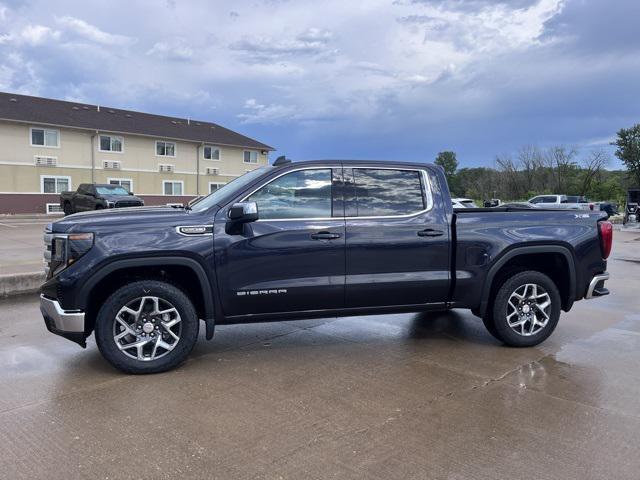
313 239
569 202
91 196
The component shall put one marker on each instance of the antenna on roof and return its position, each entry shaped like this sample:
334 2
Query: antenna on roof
281 160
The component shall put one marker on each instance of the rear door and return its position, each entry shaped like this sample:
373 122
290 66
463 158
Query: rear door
293 257
397 239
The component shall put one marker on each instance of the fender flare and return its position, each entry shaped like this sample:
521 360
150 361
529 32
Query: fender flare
203 279
524 250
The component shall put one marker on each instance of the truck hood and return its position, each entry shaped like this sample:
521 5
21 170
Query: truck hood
129 218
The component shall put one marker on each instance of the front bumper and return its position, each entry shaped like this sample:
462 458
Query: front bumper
66 323
596 286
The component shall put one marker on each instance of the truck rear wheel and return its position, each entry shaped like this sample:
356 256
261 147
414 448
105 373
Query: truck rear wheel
525 310
146 326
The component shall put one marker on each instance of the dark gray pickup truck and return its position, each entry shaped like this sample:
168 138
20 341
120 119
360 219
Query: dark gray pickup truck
314 239
91 196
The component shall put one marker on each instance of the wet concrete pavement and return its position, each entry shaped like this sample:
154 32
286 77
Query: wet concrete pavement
393 396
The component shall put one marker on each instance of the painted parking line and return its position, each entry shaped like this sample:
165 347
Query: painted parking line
7 225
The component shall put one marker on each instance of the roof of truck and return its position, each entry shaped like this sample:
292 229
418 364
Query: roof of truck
381 163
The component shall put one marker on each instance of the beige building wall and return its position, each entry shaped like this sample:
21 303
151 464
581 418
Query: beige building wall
138 162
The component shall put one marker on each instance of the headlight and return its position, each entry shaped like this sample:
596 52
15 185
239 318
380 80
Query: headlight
111 204
66 249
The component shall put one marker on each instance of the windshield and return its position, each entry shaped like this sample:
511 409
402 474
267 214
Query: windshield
115 190
236 184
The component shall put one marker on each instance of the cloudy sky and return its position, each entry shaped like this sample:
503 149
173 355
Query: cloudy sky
380 79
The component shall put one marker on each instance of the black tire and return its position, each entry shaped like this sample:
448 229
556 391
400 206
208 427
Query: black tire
66 208
487 320
496 318
167 294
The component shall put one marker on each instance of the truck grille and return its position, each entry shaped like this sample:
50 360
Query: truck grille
128 203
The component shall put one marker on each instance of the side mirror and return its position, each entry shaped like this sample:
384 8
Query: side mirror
130 193
244 212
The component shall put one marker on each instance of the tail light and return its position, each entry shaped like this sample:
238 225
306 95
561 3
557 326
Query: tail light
606 238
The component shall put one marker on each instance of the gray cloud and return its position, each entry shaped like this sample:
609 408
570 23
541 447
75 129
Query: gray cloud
402 79
313 42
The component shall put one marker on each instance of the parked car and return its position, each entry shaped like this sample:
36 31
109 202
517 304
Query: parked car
313 239
632 206
463 203
609 208
555 201
91 196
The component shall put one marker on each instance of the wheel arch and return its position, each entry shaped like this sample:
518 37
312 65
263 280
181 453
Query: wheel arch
185 273
529 257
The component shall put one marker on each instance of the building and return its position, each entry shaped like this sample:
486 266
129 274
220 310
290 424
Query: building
48 146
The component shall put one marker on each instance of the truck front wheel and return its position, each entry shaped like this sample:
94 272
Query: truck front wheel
146 326
525 310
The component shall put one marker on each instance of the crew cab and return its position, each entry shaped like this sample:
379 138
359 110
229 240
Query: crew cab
91 196
313 239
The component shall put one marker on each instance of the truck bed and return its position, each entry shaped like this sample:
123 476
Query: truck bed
483 236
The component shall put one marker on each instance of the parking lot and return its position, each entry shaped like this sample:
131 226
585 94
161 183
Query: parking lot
393 396
21 245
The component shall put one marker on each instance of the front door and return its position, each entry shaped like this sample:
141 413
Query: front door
293 257
397 241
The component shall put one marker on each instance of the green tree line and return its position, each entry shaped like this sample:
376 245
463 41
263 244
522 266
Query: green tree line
557 169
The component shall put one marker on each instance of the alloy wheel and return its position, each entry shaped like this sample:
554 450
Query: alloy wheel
147 328
528 309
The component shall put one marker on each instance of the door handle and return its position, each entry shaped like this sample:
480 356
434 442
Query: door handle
325 236
430 232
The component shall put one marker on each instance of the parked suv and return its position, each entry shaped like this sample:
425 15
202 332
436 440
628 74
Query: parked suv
91 196
313 239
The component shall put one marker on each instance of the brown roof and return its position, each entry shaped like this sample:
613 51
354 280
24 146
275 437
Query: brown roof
23 108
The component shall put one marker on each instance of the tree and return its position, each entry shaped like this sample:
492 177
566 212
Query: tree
628 143
447 160
562 163
591 168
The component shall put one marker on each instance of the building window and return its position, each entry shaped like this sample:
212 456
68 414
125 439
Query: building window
165 149
110 143
214 186
45 137
54 184
123 182
211 153
172 187
250 156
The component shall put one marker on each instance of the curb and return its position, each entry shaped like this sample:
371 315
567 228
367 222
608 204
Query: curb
19 283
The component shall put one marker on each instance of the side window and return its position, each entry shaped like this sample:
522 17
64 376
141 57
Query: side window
301 194
536 200
387 192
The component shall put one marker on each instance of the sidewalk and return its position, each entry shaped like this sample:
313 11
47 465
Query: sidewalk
21 253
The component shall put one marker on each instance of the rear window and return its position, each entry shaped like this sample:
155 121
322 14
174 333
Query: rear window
387 192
